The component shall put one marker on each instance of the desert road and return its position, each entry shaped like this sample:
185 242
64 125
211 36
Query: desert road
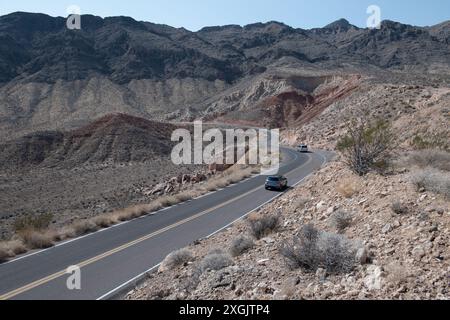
113 259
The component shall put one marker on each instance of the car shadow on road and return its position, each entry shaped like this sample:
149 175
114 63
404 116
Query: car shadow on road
280 191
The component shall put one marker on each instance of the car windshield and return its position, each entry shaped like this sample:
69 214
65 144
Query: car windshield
273 179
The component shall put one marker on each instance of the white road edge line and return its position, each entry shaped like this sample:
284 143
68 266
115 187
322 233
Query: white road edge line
115 290
114 226
106 295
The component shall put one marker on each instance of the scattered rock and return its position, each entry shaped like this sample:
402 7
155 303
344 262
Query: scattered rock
387 228
374 278
362 255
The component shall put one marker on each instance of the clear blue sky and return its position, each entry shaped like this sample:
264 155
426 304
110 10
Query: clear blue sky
194 14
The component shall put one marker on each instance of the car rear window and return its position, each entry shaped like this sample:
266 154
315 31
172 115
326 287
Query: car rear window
273 179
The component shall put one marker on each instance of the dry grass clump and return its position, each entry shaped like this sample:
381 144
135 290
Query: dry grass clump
241 245
36 239
231 176
83 227
432 180
10 249
4 254
437 140
348 188
105 221
16 247
263 225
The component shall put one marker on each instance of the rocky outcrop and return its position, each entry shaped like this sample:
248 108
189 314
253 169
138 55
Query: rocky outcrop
175 184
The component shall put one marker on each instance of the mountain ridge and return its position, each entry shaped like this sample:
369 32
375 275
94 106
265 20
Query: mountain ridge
123 48
52 78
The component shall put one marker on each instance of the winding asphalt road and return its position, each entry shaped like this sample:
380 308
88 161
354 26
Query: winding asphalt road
114 259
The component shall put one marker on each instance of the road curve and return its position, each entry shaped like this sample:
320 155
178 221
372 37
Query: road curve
112 259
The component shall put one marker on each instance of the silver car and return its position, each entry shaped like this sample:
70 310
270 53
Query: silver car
303 148
276 183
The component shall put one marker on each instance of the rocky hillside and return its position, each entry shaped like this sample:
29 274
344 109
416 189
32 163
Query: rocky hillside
110 164
52 78
115 138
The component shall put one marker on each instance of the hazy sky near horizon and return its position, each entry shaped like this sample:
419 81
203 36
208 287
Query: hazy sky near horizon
195 14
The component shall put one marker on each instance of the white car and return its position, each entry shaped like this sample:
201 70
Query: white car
303 148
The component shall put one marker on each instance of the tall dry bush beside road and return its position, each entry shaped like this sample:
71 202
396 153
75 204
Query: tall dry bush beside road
367 146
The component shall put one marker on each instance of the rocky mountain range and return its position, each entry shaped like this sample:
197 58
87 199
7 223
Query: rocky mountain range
52 78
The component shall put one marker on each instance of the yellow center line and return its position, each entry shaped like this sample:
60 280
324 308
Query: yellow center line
85 263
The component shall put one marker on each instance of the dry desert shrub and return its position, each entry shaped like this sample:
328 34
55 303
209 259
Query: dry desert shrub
84 227
10 249
399 208
133 212
104 221
215 261
263 225
341 220
367 146
33 222
241 245
168 201
177 258
432 180
438 140
312 249
433 158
